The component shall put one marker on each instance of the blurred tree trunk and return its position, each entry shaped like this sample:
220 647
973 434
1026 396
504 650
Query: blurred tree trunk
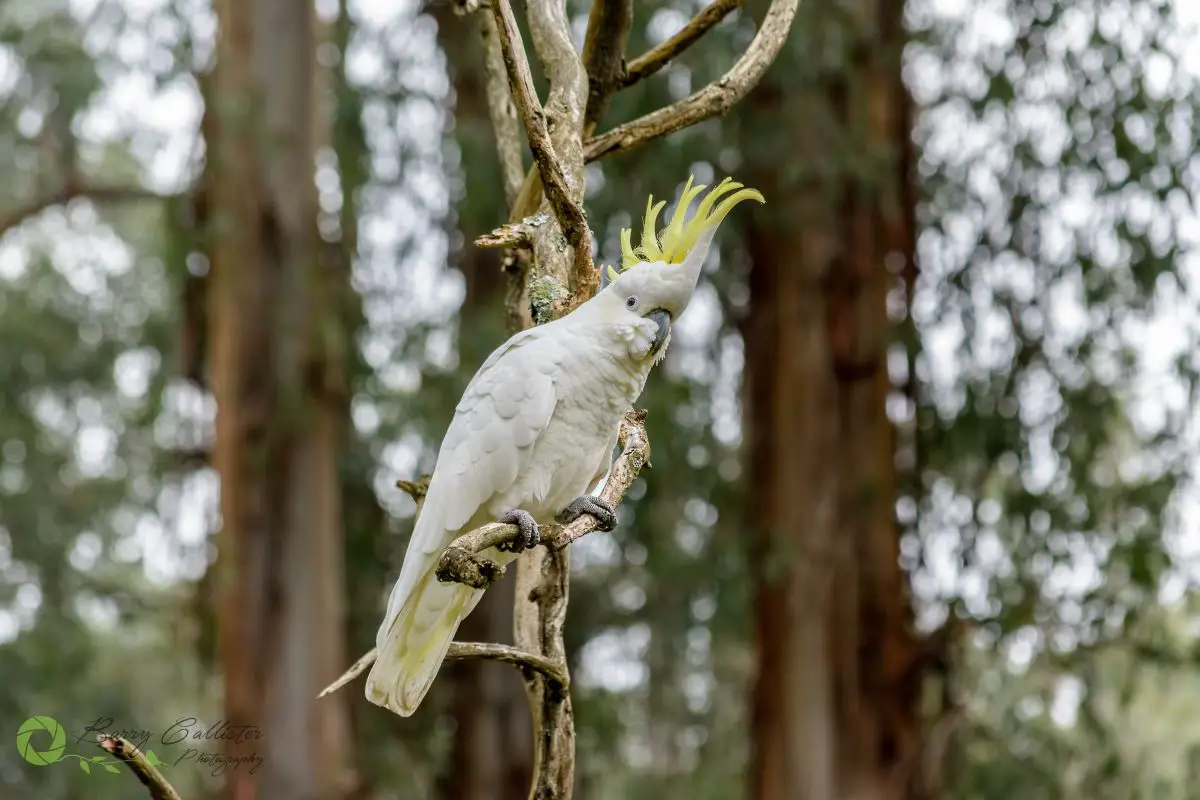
282 404
835 701
493 749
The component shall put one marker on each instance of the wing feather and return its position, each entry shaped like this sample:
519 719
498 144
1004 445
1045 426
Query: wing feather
483 452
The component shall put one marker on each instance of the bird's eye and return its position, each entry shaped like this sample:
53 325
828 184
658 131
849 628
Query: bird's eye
630 302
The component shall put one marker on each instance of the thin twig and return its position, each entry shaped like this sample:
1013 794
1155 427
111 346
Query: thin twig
712 100
510 655
463 650
566 208
359 667
133 758
72 190
646 65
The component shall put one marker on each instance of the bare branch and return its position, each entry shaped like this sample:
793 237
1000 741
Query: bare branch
459 565
460 651
502 111
562 198
526 662
604 54
72 190
357 669
712 100
133 758
573 280
646 65
415 489
514 234
459 562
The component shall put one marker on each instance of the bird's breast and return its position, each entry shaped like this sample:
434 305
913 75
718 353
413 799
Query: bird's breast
592 398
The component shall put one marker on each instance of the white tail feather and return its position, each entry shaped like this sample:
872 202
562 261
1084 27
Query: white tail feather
419 636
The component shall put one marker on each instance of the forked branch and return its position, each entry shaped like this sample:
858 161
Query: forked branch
558 136
566 208
712 100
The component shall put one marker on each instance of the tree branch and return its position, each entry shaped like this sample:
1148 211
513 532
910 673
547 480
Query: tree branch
646 65
514 234
72 190
501 110
563 198
712 100
604 54
528 663
133 758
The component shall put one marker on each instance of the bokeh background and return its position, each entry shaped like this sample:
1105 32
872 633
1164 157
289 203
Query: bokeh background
923 491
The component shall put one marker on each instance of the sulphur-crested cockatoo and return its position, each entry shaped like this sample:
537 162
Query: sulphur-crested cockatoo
536 429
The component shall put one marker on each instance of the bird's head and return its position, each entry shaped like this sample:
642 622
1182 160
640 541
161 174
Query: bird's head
657 278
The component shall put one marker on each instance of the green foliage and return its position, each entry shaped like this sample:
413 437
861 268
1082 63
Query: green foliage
1057 178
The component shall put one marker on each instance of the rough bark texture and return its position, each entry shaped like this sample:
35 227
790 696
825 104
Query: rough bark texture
281 410
835 712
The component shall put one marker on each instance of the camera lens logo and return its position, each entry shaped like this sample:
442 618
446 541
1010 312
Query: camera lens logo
41 741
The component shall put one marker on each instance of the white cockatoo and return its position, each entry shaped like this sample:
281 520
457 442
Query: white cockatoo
536 429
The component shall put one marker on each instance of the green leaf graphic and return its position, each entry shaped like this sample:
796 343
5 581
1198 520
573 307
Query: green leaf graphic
38 726
112 769
153 759
85 766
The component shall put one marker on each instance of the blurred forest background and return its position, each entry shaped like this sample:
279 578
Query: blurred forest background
923 492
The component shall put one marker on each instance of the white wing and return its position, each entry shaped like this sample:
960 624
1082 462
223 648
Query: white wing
505 408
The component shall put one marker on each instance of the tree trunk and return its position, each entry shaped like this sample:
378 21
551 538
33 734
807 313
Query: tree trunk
493 750
835 701
282 407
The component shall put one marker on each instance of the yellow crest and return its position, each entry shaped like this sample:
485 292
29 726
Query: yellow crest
679 237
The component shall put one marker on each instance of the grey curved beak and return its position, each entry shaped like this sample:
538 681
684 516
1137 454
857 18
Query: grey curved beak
663 320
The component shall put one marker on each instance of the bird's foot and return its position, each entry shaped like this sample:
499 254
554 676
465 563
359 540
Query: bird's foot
605 514
530 535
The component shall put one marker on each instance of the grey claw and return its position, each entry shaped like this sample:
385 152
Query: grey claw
605 514
530 535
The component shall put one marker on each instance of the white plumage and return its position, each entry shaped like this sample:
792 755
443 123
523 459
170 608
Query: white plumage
534 430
